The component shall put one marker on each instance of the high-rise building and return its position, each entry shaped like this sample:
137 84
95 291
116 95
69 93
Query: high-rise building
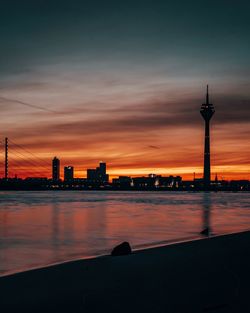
91 174
102 168
207 111
56 169
68 173
101 172
98 175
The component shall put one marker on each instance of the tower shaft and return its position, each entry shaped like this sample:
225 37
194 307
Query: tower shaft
206 173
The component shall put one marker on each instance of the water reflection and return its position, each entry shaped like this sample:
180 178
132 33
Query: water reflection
55 228
77 228
37 228
206 212
94 225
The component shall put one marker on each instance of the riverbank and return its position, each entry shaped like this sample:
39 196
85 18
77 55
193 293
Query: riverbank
210 275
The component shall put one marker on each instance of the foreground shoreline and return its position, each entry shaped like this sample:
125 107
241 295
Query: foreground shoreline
135 249
203 275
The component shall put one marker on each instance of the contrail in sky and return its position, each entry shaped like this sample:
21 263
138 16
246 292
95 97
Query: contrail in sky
3 99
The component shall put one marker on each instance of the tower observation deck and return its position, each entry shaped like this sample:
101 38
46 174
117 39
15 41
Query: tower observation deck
207 111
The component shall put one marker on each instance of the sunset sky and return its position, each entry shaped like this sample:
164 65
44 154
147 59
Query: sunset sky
123 82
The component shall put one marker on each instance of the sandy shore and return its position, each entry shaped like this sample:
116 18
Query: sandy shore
210 275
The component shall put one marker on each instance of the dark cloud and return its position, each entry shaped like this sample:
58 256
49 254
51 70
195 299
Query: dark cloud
147 117
154 147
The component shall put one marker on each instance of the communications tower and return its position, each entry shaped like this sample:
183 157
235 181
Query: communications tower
207 111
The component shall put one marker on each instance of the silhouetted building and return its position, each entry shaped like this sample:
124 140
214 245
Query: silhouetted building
98 175
157 181
55 169
91 174
207 111
149 182
123 182
216 178
240 185
102 168
68 173
101 172
36 179
169 181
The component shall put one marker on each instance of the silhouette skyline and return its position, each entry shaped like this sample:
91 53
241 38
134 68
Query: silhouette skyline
99 174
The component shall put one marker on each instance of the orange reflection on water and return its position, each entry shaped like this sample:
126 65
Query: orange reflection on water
38 228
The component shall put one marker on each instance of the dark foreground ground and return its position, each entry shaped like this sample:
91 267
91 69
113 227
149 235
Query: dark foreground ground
210 275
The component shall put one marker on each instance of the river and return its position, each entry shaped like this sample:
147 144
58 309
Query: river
45 227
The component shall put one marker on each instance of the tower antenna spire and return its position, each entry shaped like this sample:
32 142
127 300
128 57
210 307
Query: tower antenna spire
207 99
